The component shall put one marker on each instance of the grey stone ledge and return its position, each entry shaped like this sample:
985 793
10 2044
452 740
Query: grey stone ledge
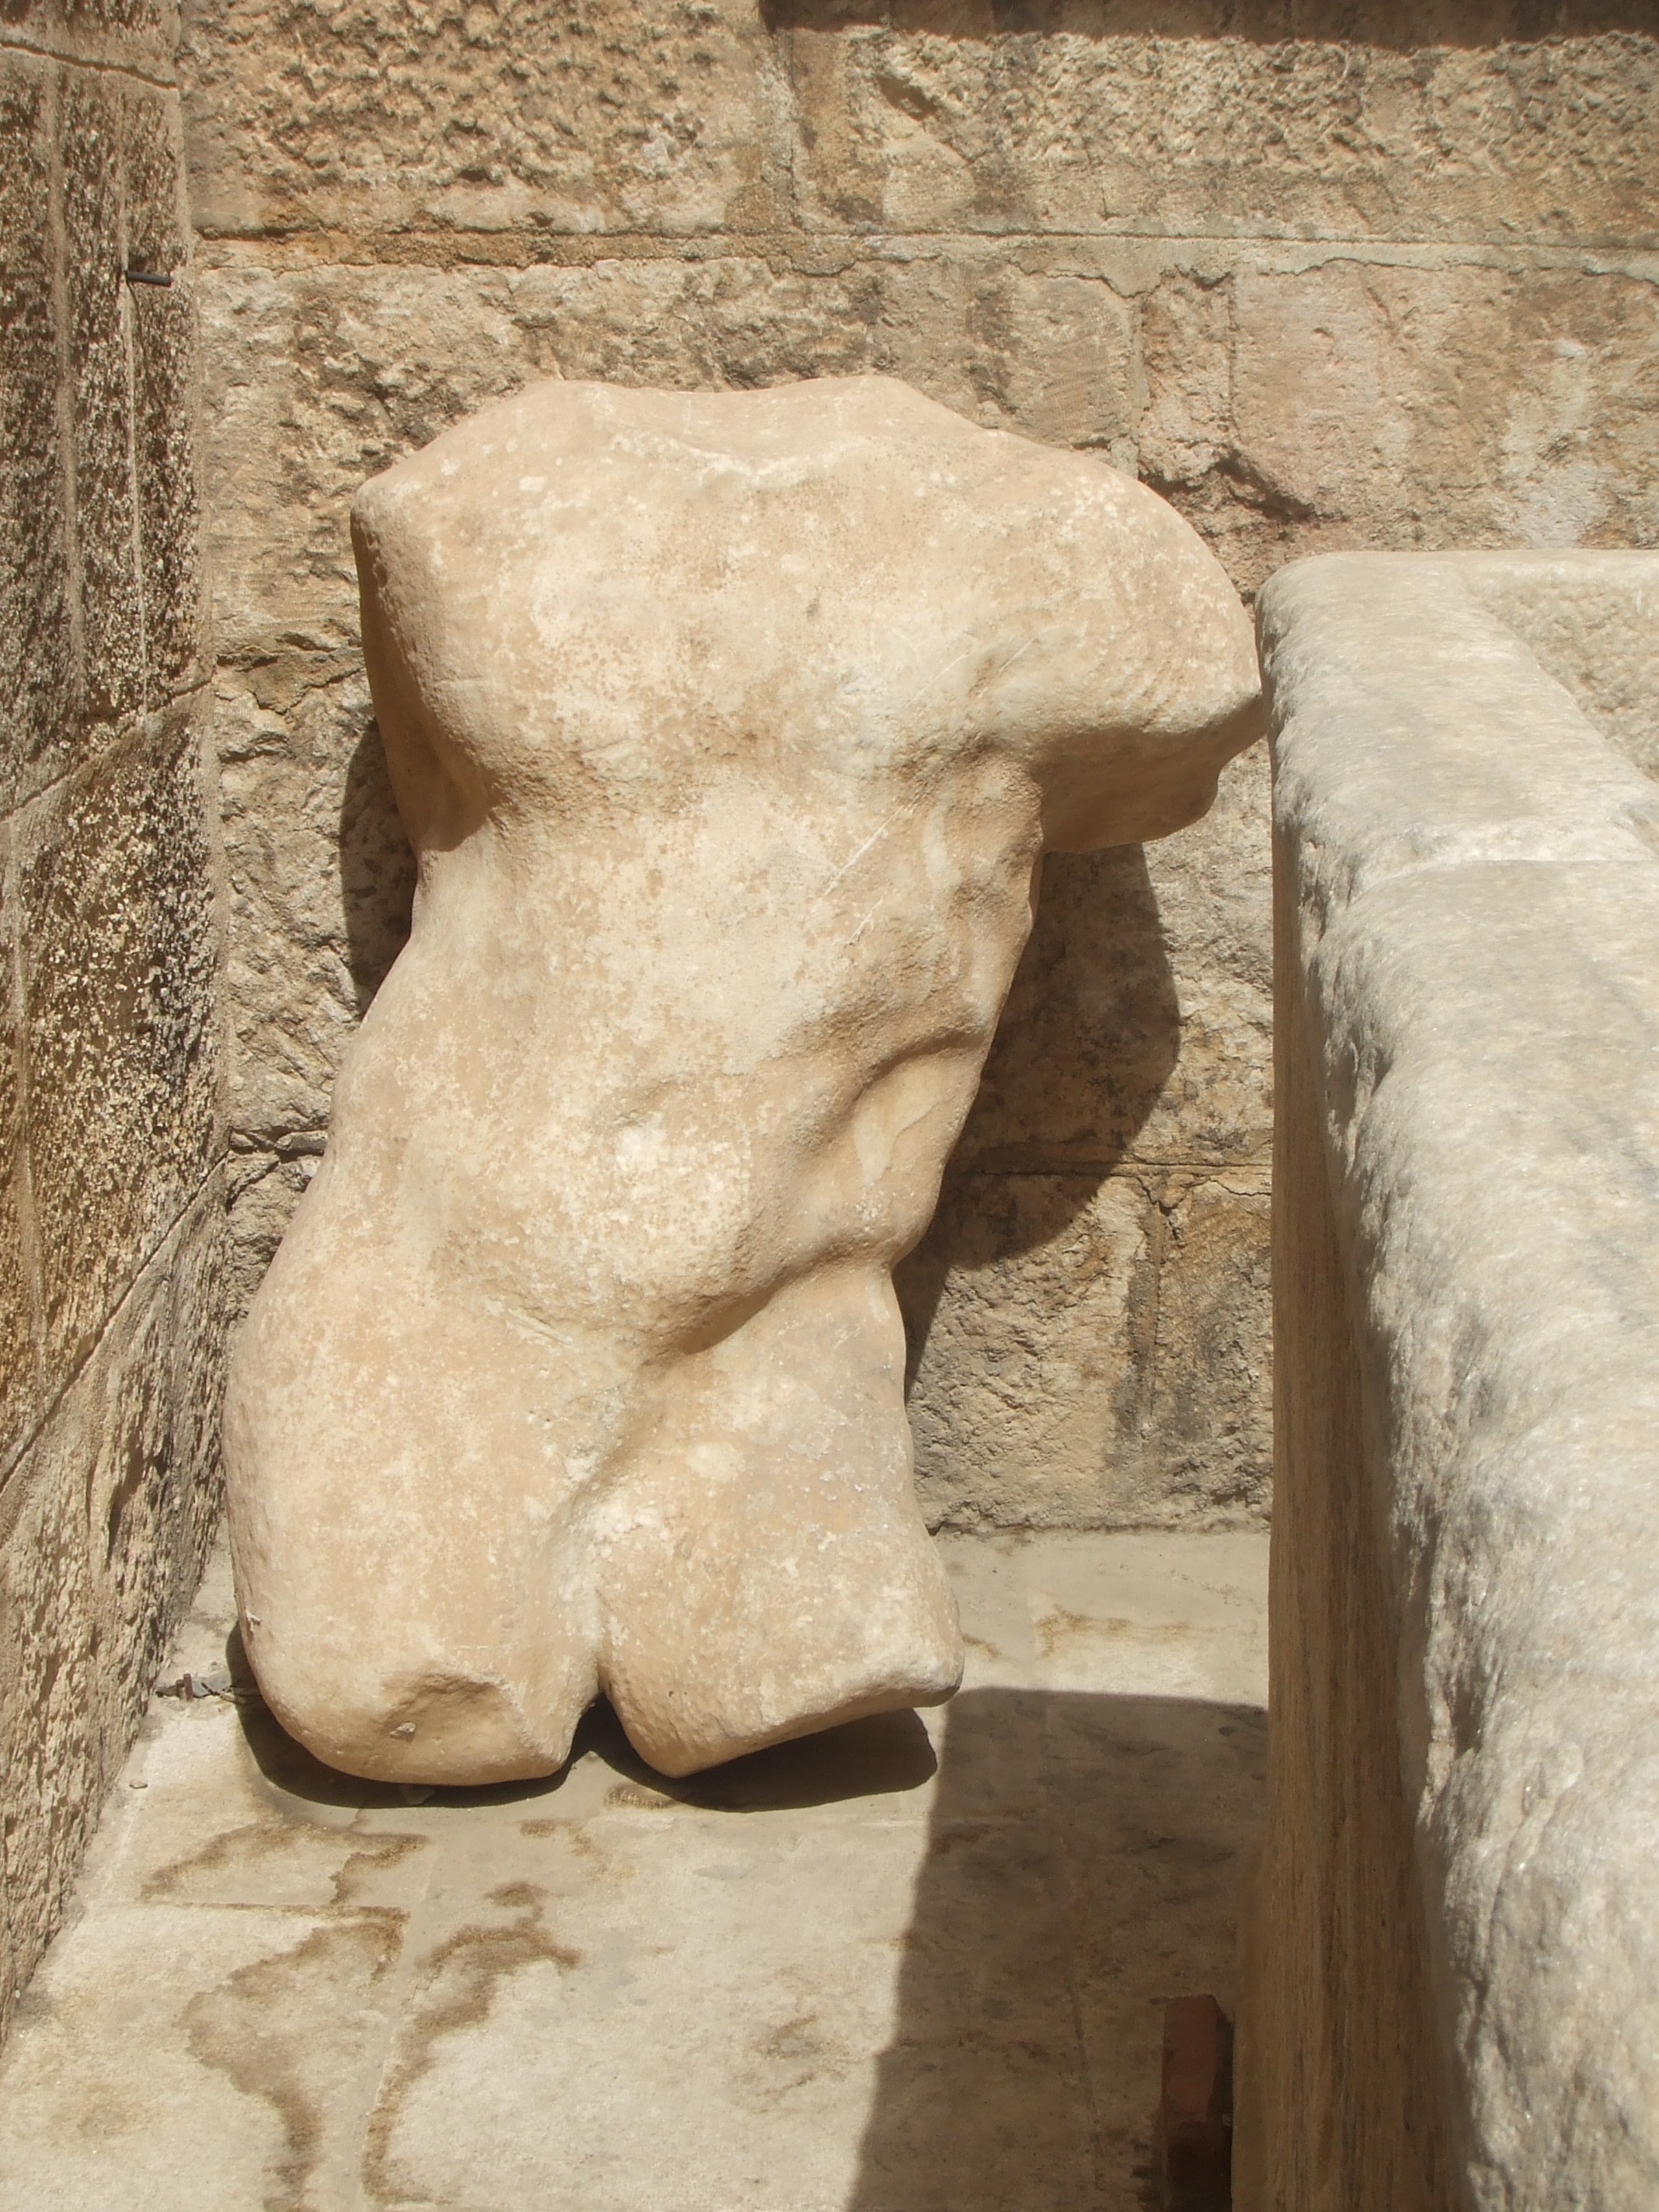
1468 858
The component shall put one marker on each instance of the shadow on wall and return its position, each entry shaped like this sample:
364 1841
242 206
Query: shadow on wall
377 869
1087 1041
1401 25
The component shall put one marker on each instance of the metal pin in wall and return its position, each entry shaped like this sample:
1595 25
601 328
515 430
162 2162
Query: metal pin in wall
149 277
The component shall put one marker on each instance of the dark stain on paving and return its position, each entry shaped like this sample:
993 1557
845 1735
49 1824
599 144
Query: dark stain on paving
575 1834
286 2026
628 1796
947 1836
798 2054
457 1985
374 1855
1058 1627
247 1852
979 1644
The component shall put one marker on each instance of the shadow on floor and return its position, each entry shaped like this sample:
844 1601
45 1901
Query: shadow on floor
867 1759
1085 1860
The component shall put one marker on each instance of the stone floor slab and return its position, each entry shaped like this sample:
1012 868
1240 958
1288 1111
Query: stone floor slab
917 1965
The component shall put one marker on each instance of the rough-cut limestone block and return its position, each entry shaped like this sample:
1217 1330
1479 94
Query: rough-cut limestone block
1457 1946
321 879
1030 1306
729 730
105 1524
166 373
1139 1021
567 115
96 373
1050 1382
19 1375
1047 351
583 116
1291 411
89 136
112 1281
1092 1352
139 35
118 971
36 649
1331 121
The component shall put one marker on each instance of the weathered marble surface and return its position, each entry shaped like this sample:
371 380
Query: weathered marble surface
1457 1943
729 729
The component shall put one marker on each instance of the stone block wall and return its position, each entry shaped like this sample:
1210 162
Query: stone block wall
1326 275
112 1275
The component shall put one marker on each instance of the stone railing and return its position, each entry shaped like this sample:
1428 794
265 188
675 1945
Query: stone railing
1452 1967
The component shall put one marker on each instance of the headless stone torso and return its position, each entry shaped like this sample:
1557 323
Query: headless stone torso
729 730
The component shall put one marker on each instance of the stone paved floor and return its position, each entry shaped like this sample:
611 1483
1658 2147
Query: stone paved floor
902 1968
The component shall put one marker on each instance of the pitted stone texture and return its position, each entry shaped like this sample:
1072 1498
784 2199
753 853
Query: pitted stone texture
113 1282
38 672
1458 1938
119 966
21 1392
165 372
1269 120
1140 1014
1288 402
89 146
585 118
113 1285
138 35
729 730
102 611
691 121
1602 644
104 1526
